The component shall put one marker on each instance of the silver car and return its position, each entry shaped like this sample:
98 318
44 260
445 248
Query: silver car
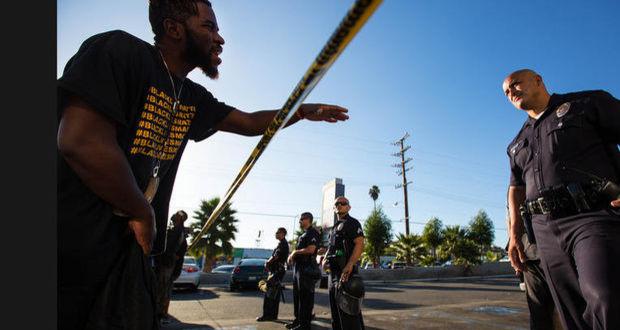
190 274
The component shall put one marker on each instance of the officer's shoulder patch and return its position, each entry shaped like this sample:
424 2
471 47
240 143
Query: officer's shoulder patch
562 109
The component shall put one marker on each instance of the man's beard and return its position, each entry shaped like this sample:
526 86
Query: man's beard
195 55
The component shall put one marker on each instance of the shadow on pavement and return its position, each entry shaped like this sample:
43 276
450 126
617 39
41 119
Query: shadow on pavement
177 325
198 294
375 303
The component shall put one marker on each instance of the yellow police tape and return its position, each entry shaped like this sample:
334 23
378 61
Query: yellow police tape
354 20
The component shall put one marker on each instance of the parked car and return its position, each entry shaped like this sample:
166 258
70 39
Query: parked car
324 273
248 273
223 269
398 265
190 274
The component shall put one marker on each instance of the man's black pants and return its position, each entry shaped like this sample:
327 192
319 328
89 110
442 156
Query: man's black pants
340 319
539 299
580 256
303 299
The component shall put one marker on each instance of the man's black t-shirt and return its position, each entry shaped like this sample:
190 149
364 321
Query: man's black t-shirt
309 237
124 78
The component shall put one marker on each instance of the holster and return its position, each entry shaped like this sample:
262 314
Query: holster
527 222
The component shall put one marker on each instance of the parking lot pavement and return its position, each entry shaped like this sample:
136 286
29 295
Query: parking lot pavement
481 303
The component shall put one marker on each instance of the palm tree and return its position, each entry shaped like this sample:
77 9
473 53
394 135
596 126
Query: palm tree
374 194
217 239
408 248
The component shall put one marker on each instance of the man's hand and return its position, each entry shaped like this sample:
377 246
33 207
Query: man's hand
346 272
321 251
323 112
615 203
516 255
144 230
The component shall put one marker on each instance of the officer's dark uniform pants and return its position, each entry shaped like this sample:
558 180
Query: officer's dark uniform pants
271 305
539 298
580 256
303 299
340 319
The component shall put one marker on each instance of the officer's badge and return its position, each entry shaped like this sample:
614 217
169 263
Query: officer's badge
340 226
514 148
562 109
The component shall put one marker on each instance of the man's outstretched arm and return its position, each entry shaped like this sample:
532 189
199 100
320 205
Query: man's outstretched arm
255 123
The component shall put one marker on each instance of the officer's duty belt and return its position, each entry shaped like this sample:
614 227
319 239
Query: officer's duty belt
566 200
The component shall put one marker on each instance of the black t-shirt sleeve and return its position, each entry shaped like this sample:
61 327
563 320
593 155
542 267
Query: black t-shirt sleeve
209 113
101 73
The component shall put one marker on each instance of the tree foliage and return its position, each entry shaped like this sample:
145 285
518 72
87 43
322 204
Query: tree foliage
216 240
378 232
481 231
432 235
458 247
408 248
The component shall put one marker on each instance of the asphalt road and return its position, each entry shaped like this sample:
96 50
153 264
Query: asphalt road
481 303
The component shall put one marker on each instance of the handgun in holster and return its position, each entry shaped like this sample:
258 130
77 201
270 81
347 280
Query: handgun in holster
527 222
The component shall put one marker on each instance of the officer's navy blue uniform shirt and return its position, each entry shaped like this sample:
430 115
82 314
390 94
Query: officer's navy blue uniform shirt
578 130
280 252
343 234
309 237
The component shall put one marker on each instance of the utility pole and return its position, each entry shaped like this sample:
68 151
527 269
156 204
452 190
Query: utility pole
403 171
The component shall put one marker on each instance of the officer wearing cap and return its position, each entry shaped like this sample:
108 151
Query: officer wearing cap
273 286
303 258
565 167
346 290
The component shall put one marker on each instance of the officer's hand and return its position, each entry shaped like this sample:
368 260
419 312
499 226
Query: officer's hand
324 264
516 255
615 203
346 272
144 230
321 251
290 258
323 112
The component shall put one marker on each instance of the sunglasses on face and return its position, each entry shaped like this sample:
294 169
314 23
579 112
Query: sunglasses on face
341 203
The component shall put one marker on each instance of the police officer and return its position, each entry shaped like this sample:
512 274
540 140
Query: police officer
303 258
564 163
346 243
273 285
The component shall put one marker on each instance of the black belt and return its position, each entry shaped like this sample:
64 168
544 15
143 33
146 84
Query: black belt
567 200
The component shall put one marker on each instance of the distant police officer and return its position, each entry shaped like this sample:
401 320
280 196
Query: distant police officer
273 285
564 163
346 290
303 258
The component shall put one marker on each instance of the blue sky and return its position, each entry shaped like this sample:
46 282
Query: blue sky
430 68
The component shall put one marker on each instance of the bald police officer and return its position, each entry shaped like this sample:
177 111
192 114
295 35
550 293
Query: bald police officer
564 163
346 244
